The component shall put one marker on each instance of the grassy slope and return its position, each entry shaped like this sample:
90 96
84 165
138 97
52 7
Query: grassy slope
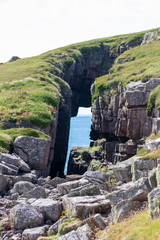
145 65
139 227
30 88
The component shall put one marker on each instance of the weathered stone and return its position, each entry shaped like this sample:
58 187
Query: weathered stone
152 145
53 230
3 182
36 151
152 178
154 202
96 175
24 215
136 191
51 209
87 190
65 188
8 170
29 177
81 207
148 37
34 233
158 175
83 232
140 168
23 187
124 209
55 181
136 98
37 192
122 170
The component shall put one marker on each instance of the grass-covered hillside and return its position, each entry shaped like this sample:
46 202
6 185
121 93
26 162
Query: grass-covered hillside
142 63
138 227
30 88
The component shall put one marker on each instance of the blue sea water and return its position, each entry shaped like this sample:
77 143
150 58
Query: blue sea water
79 134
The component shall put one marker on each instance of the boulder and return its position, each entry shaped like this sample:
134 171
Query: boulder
97 175
87 190
81 207
65 188
152 145
37 192
34 233
23 187
8 170
122 170
140 168
53 230
152 178
154 203
51 209
55 181
123 209
136 191
32 150
83 232
24 215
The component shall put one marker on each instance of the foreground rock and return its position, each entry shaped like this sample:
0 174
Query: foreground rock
81 207
24 215
33 151
83 232
51 209
34 233
154 203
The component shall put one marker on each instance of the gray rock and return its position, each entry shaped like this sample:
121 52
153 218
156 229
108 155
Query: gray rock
81 207
37 192
158 175
55 181
23 187
152 145
136 98
34 233
122 170
51 209
29 177
65 188
152 178
3 182
97 175
8 170
34 151
87 190
24 215
83 233
154 202
136 191
53 230
148 37
123 209
140 168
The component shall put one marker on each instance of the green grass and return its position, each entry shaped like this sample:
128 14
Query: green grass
144 66
154 100
139 227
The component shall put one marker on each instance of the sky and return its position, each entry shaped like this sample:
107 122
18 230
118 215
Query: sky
31 27
84 111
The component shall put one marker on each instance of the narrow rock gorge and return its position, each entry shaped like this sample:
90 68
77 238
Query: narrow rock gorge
117 175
